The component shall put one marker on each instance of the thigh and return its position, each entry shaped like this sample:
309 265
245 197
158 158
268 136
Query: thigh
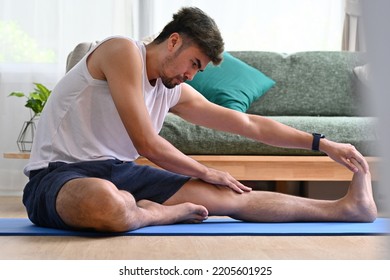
40 193
218 200
146 182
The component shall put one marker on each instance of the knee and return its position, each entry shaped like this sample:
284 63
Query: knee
98 205
114 211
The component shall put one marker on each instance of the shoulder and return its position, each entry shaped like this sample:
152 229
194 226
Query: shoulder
119 43
118 47
115 54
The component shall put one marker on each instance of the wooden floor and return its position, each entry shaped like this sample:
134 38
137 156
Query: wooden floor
186 247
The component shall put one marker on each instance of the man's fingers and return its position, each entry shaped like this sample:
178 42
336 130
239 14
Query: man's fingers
245 188
358 161
360 164
237 186
355 164
363 162
350 165
222 178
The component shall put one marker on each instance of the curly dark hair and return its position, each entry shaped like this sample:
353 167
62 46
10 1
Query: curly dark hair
197 27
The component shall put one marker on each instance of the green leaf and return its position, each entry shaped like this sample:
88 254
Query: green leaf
35 105
36 100
43 91
17 94
35 96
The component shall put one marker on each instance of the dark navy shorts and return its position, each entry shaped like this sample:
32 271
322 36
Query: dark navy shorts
143 182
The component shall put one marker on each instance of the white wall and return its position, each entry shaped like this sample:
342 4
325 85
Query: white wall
58 26
12 116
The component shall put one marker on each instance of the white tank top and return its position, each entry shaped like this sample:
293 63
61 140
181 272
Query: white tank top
80 121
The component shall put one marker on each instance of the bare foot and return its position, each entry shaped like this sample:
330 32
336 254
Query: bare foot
158 214
359 201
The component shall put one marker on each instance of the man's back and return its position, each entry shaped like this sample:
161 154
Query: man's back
81 122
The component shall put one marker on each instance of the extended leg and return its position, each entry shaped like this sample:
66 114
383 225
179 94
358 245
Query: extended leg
258 206
92 203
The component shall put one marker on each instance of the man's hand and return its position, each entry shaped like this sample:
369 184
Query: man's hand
343 153
222 178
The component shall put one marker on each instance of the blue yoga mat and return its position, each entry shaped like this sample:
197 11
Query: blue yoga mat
213 226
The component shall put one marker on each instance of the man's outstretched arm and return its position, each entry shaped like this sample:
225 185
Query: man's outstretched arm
196 109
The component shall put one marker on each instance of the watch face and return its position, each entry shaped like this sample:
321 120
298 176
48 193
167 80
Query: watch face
319 135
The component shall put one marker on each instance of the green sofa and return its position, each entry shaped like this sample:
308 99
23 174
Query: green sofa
313 92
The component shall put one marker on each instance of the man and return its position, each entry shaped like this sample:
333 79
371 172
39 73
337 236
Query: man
109 109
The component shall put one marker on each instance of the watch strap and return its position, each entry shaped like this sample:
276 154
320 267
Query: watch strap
316 141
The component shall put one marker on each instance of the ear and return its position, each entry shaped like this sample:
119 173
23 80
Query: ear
174 41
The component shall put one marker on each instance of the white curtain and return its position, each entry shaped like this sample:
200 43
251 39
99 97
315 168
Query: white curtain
37 35
35 39
277 25
353 36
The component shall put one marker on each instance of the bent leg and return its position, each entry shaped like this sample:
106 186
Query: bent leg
260 206
92 203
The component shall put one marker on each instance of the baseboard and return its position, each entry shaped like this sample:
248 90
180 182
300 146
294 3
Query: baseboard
11 193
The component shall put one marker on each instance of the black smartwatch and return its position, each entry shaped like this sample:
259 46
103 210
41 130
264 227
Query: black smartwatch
316 141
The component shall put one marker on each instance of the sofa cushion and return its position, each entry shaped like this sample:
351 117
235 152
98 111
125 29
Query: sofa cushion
196 140
363 74
319 83
78 53
233 84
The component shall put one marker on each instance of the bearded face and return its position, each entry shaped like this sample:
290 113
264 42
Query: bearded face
174 81
182 65
169 76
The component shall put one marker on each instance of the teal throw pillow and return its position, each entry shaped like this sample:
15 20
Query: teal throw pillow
232 84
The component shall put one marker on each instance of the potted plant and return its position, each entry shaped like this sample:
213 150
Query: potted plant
36 101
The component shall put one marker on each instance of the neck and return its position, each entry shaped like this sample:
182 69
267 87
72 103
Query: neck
152 62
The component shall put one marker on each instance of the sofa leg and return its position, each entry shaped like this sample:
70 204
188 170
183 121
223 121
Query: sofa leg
281 186
302 188
291 187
